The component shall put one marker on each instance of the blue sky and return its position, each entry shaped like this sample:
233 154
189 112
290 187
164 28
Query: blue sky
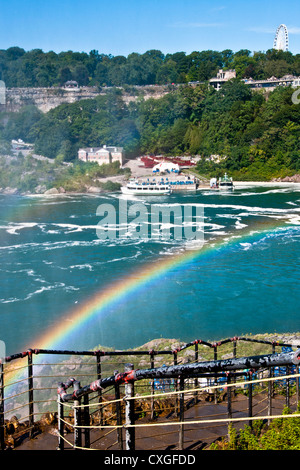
119 27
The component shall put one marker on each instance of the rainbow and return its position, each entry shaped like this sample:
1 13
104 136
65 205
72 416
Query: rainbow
96 306
122 290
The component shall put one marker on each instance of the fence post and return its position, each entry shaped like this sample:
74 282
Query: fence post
98 356
273 371
118 413
86 414
152 385
270 393
287 387
2 441
215 379
181 413
250 398
176 385
61 427
196 380
77 419
297 385
30 392
129 412
234 348
229 410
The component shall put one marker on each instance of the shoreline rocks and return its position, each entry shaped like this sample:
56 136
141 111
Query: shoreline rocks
94 190
10 191
288 179
51 191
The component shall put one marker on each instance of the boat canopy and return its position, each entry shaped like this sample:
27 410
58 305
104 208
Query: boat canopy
168 167
225 179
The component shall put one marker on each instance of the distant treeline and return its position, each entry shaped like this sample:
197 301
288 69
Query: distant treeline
258 133
35 68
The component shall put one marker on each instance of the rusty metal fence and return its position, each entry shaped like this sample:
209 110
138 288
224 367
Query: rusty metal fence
120 410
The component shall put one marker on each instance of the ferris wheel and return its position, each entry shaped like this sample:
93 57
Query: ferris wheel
281 41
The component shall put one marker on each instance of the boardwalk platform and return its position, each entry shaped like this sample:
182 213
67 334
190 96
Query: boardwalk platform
155 436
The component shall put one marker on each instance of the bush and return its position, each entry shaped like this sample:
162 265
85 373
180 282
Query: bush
281 434
111 186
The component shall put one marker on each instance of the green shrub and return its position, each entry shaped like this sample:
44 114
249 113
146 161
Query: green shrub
281 434
111 186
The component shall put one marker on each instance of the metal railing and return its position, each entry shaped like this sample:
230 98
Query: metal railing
173 382
208 370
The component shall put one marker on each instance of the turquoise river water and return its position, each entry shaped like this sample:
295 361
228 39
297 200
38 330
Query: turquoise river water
52 261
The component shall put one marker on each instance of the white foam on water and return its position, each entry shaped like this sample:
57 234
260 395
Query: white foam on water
263 193
246 246
295 220
81 266
71 228
218 232
57 285
239 225
292 203
14 228
235 207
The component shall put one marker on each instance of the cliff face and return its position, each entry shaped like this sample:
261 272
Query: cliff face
45 98
48 98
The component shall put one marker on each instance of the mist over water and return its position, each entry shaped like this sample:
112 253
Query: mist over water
51 261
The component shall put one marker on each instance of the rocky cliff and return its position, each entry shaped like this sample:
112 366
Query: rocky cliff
48 98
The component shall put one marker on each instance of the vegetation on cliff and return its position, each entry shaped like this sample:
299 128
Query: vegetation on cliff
30 175
259 134
256 134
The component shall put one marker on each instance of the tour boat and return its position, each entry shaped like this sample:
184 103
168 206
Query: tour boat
225 183
135 187
213 184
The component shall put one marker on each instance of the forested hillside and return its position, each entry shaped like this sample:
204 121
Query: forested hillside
257 132
20 68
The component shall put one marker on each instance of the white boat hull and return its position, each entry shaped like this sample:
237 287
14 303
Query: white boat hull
226 188
144 191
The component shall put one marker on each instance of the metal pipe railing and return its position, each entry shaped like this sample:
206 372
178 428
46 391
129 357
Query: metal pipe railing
185 370
180 372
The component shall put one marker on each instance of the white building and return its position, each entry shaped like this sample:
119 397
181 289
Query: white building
222 77
102 155
296 82
273 82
